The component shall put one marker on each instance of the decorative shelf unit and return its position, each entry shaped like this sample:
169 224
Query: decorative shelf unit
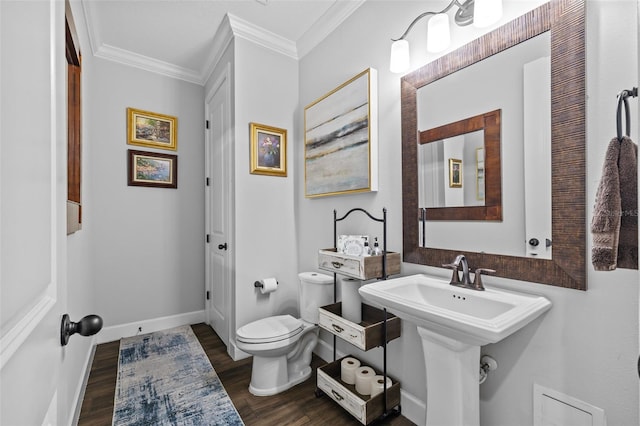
377 327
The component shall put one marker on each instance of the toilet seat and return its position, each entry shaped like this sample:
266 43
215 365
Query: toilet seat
271 329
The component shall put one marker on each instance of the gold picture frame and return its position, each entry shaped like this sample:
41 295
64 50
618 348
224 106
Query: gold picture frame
455 173
341 139
151 129
268 150
152 169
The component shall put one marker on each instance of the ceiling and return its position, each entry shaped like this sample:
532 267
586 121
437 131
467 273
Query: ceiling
178 37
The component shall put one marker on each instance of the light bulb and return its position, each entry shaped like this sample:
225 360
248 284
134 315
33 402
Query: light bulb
486 12
400 61
438 36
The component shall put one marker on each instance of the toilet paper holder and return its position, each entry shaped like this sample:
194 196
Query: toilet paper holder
260 284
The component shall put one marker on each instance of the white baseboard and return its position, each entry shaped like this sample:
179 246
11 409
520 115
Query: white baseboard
117 332
413 408
235 353
82 386
325 351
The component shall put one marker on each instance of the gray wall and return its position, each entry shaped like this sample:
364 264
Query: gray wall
147 243
265 93
586 346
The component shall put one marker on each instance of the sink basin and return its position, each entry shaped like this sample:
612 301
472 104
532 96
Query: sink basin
470 316
454 323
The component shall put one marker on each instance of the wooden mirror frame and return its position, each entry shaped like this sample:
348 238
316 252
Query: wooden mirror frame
565 19
489 123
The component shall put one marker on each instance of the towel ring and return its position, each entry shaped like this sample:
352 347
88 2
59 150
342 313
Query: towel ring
622 98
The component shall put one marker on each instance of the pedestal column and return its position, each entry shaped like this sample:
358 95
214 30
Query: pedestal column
453 390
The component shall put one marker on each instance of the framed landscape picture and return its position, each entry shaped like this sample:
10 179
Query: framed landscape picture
152 169
150 129
341 139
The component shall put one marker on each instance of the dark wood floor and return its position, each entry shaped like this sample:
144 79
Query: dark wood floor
297 406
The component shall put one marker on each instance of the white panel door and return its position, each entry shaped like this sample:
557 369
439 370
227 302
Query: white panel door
537 158
219 248
32 212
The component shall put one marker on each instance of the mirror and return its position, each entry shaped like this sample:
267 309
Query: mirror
464 175
453 157
564 20
517 82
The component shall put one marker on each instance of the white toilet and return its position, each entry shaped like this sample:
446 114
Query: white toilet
282 345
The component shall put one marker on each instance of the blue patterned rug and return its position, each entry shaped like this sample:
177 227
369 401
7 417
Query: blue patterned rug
165 378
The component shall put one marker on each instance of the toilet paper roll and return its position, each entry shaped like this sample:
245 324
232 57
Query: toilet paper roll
351 299
269 285
377 384
348 368
364 375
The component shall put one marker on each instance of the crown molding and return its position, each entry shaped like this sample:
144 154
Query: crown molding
328 22
125 57
221 40
91 25
102 50
231 26
260 36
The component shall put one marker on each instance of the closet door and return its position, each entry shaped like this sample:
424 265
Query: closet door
218 213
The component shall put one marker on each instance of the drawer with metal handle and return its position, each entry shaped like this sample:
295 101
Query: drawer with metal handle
360 267
343 328
354 405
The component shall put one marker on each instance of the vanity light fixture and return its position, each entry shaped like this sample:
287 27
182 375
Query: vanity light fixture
481 13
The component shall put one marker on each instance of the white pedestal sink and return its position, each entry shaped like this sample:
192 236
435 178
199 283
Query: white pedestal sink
454 323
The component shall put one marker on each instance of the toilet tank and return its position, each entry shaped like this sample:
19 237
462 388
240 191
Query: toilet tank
316 290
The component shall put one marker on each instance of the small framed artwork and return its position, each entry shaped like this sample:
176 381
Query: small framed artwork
150 129
152 169
455 173
268 150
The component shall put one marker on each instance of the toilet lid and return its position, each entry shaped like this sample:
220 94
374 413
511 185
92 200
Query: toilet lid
270 329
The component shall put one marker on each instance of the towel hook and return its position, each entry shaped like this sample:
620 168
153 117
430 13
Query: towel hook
622 97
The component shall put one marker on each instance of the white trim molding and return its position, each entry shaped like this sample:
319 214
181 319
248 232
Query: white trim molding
231 26
260 36
332 18
117 332
18 333
125 57
222 39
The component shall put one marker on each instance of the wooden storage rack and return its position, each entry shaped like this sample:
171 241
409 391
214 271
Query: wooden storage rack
377 328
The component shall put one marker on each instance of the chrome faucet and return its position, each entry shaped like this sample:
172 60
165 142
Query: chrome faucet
459 261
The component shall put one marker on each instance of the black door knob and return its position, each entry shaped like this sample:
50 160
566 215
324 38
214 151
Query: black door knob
534 242
222 246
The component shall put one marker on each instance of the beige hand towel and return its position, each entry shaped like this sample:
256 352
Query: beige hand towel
614 225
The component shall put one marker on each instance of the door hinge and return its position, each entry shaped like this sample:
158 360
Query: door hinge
208 295
207 181
206 124
207 238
